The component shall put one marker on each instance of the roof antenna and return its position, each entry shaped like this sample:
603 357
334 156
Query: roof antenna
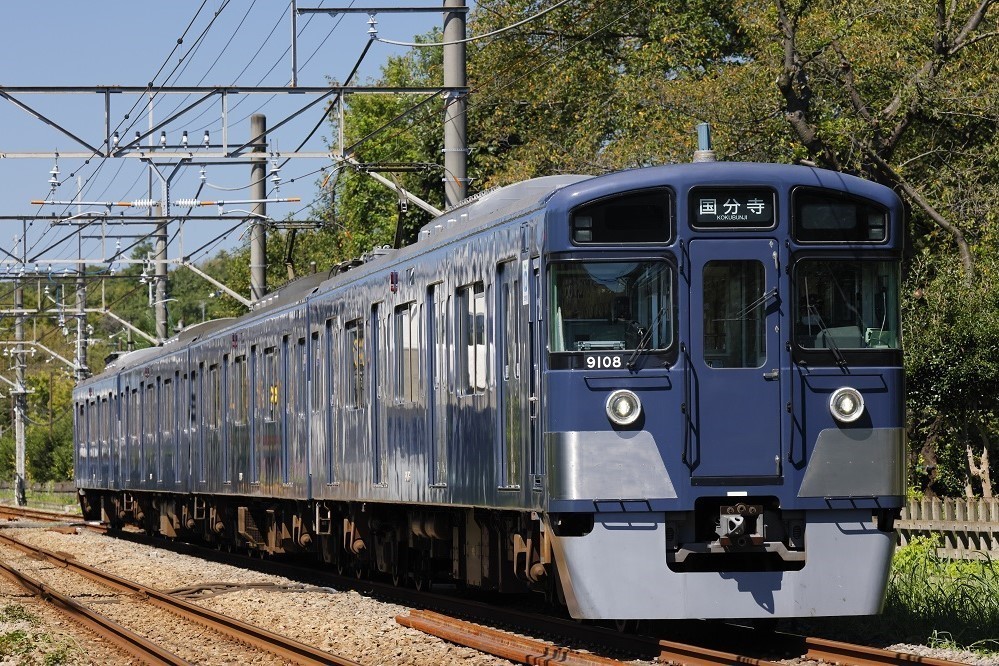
704 153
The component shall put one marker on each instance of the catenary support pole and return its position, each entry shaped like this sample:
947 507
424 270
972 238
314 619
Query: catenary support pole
82 334
258 190
160 270
20 398
455 146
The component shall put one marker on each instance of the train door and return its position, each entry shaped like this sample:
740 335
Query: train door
134 438
733 361
436 314
355 384
377 438
196 469
514 418
531 295
150 429
332 365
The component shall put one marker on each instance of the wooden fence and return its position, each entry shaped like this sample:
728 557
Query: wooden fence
49 487
967 528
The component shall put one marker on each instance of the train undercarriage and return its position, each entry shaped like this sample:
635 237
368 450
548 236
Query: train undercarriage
502 551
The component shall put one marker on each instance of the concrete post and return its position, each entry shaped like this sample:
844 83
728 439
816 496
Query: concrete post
455 138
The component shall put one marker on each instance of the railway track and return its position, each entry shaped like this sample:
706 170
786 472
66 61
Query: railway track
124 639
17 512
742 644
529 651
255 637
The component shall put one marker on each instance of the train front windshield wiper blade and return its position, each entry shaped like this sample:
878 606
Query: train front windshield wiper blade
646 337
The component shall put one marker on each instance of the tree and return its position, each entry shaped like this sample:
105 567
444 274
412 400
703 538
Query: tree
579 90
895 92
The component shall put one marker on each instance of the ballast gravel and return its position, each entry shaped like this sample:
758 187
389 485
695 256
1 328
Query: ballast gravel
342 622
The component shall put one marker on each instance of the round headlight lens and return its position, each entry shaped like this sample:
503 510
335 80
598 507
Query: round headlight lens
846 404
623 407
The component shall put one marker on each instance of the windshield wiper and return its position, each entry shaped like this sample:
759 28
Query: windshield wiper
645 336
827 337
834 348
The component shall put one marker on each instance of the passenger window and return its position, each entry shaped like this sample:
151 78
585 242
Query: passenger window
354 354
472 338
407 352
734 314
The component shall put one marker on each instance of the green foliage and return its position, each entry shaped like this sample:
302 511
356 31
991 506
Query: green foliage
938 599
594 86
951 330
17 643
18 613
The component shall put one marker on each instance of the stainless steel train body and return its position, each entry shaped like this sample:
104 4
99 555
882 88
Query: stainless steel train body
663 393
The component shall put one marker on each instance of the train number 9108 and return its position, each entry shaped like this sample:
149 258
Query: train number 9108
603 362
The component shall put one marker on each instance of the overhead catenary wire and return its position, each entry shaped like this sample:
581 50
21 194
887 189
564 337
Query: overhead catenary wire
477 37
166 61
490 87
481 89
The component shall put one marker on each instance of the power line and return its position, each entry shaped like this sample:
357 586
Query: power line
477 37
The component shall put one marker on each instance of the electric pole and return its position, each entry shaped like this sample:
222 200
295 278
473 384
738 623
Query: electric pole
455 147
258 190
160 275
20 398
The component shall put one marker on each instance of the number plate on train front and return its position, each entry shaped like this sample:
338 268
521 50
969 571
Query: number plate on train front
604 362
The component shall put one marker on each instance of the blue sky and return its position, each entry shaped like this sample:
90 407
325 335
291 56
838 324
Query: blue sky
118 42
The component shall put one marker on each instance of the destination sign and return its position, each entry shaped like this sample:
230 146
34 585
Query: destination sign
732 207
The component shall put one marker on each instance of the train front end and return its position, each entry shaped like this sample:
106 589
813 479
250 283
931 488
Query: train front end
723 392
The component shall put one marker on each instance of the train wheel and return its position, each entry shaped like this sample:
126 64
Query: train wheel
422 582
627 626
422 573
400 566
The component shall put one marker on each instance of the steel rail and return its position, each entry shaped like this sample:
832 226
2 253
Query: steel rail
14 512
499 643
822 649
138 646
697 655
282 646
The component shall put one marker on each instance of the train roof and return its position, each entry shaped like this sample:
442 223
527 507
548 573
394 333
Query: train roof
561 192
728 174
497 204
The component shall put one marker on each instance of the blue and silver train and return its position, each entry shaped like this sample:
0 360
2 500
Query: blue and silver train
671 392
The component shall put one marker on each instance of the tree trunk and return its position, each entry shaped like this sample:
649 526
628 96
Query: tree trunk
979 471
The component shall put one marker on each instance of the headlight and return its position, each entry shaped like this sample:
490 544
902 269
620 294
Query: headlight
846 404
623 407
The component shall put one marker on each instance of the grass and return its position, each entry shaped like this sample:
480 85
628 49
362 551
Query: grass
931 600
943 602
42 499
22 643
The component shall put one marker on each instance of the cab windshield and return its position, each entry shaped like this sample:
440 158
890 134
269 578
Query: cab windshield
846 305
611 306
